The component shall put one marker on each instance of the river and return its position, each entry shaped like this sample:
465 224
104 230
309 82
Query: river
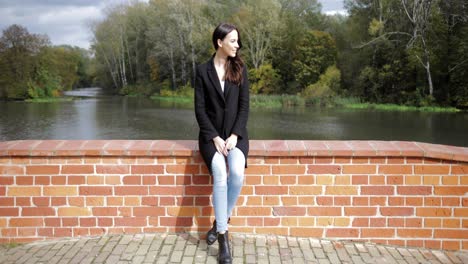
98 116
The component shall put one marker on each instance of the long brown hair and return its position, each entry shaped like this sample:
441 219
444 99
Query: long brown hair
234 65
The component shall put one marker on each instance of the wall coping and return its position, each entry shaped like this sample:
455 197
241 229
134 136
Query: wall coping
109 148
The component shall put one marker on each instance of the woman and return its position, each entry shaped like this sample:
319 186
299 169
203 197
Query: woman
222 109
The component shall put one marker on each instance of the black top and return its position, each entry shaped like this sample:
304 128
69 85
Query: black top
220 113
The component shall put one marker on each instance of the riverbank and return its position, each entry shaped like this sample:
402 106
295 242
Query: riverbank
49 100
278 101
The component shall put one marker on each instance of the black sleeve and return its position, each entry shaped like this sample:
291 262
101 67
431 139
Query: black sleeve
207 130
243 112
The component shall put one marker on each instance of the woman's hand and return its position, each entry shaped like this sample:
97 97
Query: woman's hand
231 143
220 145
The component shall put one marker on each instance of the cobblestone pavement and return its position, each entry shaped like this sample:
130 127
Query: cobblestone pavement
187 248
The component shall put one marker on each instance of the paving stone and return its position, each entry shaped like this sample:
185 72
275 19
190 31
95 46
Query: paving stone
117 249
177 256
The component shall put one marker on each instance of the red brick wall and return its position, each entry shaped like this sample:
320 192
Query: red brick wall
403 193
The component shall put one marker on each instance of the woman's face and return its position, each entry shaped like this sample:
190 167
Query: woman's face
229 45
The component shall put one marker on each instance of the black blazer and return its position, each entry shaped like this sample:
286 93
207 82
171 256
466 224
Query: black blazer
220 113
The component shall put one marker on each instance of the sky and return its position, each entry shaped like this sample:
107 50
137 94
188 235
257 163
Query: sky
68 21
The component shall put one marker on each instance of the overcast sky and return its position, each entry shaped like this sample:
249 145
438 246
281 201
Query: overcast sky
67 21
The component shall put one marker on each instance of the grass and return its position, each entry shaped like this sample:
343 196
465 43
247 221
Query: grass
49 100
354 103
278 101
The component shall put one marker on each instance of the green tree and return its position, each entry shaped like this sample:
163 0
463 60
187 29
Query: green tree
316 52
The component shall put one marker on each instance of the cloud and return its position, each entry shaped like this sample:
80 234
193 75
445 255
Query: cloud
64 21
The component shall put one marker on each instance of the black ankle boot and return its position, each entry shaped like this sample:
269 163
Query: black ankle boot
212 235
224 252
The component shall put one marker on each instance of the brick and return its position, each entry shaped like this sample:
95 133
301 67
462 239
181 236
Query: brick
289 211
411 232
324 169
94 201
432 169
23 191
341 190
377 190
149 180
305 179
359 169
460 212
271 180
395 179
24 180
459 169
376 179
324 200
377 232
395 169
271 200
451 223
20 222
302 190
183 169
38 211
413 180
289 169
342 232
43 169
306 232
254 211
358 200
147 169
360 179
7 180
361 200
104 211
95 180
450 180
74 211
413 201
378 222
397 211
433 212
60 191
451 233
452 190
204 190
342 200
11 170
269 190
396 222
431 180
432 222
360 211
70 221
58 180
95 190
413 222
258 170
323 160
58 201
76 180
414 190
23 201
131 190
9 211
112 169
77 169
324 211
288 180
451 245
382 201
42 180
167 190
325 179
63 232
150 211
7 201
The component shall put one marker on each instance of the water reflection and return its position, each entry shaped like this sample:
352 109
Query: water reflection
99 116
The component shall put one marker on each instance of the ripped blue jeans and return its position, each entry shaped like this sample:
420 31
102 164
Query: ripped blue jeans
227 184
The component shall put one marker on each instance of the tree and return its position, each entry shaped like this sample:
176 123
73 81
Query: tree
19 52
258 20
316 52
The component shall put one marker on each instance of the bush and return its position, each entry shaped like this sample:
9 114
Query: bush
183 91
45 85
264 80
325 87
